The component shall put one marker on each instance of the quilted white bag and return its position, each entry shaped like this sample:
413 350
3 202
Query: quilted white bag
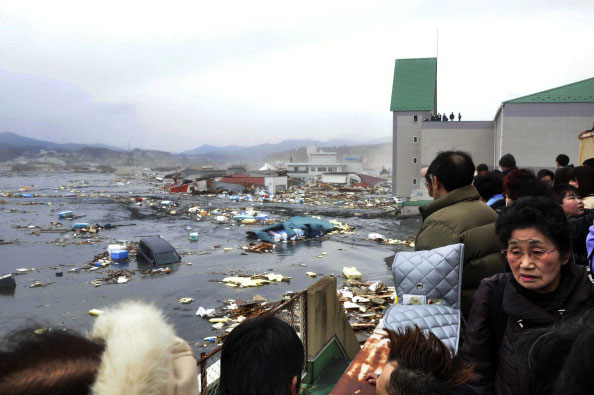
433 278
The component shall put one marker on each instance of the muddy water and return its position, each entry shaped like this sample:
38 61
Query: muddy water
67 299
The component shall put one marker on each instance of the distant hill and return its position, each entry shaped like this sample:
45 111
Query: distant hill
9 140
234 153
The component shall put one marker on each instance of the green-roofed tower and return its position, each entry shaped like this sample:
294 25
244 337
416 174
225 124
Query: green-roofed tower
414 98
415 85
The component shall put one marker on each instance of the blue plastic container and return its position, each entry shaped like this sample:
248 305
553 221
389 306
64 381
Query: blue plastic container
117 255
80 225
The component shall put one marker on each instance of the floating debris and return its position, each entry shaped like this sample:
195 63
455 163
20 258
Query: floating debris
95 312
202 312
259 248
186 300
254 281
352 273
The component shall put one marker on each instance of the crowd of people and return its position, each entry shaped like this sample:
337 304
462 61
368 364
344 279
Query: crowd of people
527 301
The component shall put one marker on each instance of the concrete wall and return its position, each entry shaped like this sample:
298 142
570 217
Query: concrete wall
404 149
474 137
535 133
326 320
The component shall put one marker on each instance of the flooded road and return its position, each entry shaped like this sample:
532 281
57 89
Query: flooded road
65 301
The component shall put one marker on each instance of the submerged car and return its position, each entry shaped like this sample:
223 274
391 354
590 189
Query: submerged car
158 251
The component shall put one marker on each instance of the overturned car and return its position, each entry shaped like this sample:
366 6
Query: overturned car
157 251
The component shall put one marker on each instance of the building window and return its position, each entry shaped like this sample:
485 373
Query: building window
414 181
332 169
415 118
415 160
312 168
295 168
321 169
415 139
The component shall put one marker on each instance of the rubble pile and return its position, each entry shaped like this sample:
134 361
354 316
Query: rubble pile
365 303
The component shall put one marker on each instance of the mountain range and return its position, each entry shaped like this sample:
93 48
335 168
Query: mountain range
13 140
13 145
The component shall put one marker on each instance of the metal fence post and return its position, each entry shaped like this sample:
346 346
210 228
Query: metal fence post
203 383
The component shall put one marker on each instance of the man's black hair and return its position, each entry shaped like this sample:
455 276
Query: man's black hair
544 352
482 167
545 172
261 356
453 169
36 360
540 213
576 376
562 159
488 184
589 162
561 190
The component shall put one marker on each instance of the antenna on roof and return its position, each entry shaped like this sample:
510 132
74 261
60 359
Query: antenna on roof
437 41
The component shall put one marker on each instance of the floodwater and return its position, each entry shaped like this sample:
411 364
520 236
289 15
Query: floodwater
65 301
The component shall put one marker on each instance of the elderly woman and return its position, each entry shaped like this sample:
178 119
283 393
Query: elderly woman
544 286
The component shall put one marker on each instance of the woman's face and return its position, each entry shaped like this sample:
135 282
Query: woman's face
547 180
534 260
572 205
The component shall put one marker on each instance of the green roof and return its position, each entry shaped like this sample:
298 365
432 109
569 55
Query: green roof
414 85
578 92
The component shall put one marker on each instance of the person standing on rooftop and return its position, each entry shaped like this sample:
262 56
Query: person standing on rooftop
452 116
459 117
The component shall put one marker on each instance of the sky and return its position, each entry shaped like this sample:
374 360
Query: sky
175 75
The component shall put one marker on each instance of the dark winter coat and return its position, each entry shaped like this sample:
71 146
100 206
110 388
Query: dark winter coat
579 227
525 310
460 217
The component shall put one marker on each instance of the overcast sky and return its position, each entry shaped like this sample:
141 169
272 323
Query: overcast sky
179 74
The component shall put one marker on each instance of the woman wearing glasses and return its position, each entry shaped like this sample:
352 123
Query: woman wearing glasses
543 287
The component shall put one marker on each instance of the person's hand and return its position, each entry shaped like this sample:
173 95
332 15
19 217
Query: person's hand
370 377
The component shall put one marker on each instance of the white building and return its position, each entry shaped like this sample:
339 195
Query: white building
320 162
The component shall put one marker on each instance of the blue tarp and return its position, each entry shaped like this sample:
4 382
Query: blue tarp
311 227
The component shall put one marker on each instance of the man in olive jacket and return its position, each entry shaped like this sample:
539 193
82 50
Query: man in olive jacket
458 216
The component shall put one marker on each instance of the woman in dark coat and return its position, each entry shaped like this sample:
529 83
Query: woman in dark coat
544 286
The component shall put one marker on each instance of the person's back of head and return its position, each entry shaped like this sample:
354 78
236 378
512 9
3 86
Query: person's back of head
488 185
522 182
589 163
507 161
262 355
482 168
453 169
45 361
422 364
543 353
562 160
576 376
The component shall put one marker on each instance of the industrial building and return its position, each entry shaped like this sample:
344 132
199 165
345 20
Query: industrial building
533 128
